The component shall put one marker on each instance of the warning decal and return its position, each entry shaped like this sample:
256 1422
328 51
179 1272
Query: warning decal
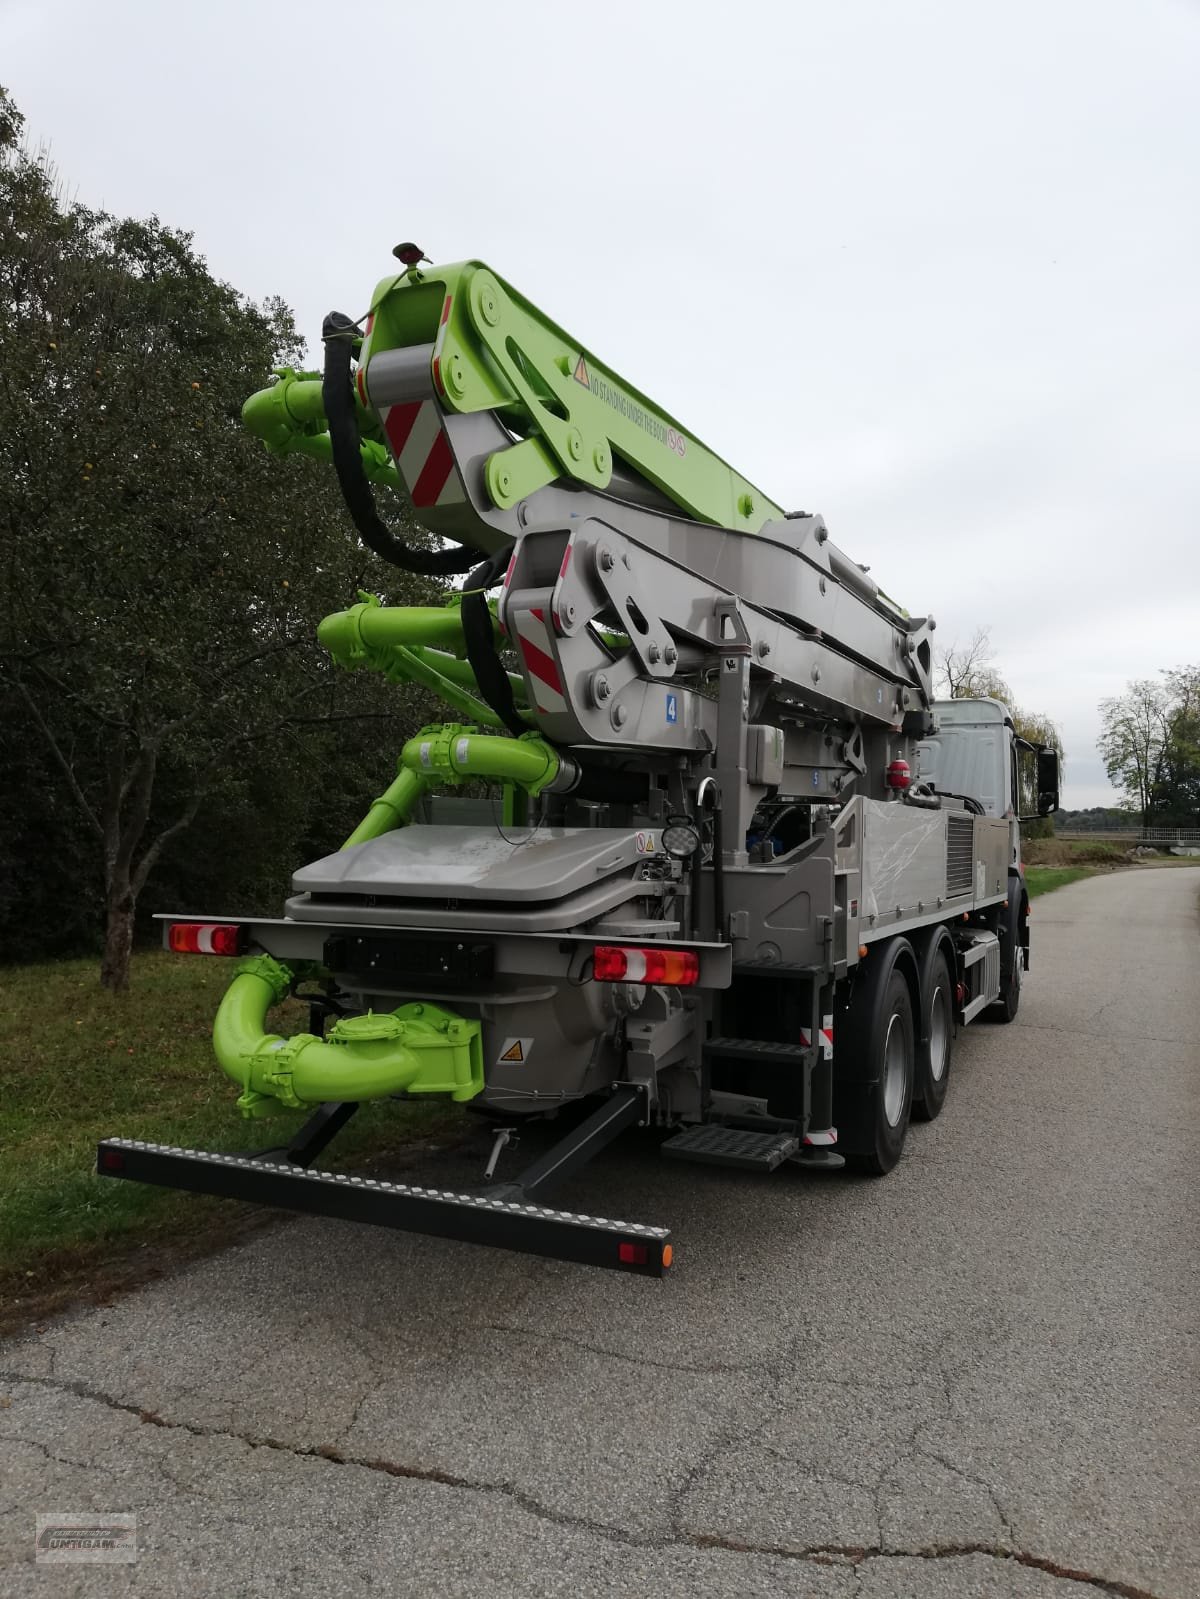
645 844
581 373
515 1052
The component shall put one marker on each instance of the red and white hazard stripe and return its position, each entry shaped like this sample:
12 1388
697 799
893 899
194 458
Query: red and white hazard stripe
824 1038
422 453
533 638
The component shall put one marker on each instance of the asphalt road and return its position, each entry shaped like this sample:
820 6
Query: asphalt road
978 1377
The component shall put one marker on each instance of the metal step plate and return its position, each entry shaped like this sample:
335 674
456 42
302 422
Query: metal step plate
732 1146
757 1051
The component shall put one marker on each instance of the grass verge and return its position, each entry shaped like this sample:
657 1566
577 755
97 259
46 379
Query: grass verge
82 1064
1041 879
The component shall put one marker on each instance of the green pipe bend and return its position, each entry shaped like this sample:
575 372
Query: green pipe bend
420 1047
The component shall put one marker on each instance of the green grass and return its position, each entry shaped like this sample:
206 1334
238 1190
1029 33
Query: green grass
82 1064
1041 879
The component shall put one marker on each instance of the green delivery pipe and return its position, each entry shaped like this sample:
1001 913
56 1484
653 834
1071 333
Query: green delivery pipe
289 418
457 752
353 635
421 1046
391 809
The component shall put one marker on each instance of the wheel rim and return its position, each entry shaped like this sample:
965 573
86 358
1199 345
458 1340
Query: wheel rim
939 1034
895 1070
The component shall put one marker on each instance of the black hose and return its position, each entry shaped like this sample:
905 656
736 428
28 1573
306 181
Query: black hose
484 659
337 396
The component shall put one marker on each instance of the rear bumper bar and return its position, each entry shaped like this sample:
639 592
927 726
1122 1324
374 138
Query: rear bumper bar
476 1219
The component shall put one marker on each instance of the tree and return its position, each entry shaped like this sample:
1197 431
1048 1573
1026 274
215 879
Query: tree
1150 744
966 672
1131 741
163 576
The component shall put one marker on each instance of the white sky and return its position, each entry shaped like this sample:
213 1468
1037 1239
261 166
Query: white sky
931 268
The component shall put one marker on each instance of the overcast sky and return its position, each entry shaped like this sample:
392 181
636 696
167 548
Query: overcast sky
932 269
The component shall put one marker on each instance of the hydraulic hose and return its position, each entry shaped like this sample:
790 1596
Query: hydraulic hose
479 636
337 395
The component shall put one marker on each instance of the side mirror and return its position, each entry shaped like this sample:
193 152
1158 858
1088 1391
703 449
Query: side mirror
1047 781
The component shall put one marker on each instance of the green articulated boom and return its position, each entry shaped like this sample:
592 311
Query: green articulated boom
626 598
443 342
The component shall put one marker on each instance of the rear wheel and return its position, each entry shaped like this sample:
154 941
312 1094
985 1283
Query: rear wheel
936 1046
873 1096
1005 1008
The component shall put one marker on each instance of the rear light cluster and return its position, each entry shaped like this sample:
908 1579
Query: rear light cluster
674 968
639 1254
206 938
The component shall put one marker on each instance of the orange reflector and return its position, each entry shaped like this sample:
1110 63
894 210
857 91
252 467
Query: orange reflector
668 1255
862 952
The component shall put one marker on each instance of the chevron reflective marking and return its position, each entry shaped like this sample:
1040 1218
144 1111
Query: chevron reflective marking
536 651
422 453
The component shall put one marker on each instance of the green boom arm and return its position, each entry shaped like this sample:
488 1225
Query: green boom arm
495 351
492 350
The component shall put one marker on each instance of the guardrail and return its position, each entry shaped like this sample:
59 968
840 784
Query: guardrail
1134 835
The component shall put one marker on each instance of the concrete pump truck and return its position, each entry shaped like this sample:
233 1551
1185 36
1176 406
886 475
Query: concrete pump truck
743 878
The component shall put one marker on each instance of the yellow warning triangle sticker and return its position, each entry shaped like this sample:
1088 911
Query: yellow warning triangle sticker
514 1051
581 373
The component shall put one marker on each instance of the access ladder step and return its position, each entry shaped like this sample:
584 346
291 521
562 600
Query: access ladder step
759 1051
713 1145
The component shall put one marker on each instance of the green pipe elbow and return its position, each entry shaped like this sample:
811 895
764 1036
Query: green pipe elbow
420 1048
290 406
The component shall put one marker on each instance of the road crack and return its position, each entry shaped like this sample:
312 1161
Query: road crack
845 1555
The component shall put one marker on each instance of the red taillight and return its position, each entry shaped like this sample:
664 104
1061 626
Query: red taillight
898 775
112 1160
633 1254
206 938
673 968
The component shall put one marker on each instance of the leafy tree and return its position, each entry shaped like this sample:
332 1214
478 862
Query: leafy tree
1150 744
1131 741
163 575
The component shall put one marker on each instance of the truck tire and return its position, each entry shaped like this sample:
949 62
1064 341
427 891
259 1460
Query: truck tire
873 1094
1005 1008
935 1044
